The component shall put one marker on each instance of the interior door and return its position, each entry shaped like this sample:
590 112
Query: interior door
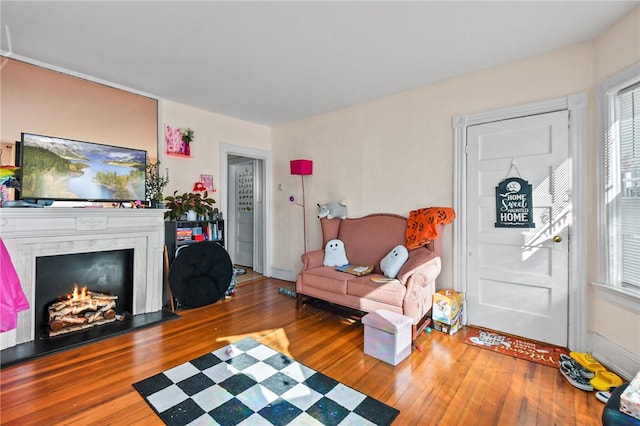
517 278
244 177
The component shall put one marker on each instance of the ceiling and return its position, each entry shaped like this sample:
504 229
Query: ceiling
274 62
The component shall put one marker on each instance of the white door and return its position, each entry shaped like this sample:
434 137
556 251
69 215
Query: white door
517 278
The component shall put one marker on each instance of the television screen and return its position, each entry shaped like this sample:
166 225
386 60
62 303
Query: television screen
53 168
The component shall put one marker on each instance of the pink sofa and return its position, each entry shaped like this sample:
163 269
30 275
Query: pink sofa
367 240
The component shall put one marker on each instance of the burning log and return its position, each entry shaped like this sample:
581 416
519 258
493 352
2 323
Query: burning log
55 325
82 309
73 319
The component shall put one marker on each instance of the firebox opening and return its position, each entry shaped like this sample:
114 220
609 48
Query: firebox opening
109 272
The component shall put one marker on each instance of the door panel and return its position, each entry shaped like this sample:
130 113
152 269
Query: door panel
517 278
244 176
244 238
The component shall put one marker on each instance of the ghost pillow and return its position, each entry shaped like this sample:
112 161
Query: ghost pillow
334 253
392 262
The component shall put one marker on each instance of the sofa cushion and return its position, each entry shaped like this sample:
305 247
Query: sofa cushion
330 229
326 278
391 292
368 239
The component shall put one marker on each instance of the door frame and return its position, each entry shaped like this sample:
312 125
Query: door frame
576 104
227 150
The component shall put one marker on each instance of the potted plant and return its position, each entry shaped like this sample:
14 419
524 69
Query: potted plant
179 204
187 135
155 183
187 138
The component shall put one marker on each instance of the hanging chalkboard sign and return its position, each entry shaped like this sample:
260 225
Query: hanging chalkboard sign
514 204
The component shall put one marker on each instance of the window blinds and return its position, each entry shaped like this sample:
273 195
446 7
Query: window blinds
629 196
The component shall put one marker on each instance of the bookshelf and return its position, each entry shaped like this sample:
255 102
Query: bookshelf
184 232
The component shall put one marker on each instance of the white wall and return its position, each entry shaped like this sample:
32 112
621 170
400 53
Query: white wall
210 131
395 154
612 325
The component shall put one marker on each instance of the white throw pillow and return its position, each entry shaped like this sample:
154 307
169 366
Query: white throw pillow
392 262
334 253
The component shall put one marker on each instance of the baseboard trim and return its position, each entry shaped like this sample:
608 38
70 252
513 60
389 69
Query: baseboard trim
624 362
283 274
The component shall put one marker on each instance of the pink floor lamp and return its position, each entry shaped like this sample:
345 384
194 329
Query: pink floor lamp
302 168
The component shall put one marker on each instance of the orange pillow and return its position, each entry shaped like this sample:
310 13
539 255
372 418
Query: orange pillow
422 225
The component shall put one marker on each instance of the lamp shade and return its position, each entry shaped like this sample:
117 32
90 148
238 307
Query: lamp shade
301 167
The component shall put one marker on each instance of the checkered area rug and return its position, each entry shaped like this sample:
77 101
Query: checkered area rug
248 383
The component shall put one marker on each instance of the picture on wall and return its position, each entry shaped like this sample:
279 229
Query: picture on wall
207 181
176 145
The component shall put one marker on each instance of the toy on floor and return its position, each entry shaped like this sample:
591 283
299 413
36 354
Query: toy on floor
287 291
427 329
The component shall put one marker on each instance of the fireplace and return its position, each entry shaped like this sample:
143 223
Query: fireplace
106 272
38 235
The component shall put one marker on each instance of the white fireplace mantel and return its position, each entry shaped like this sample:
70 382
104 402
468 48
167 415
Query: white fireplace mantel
32 232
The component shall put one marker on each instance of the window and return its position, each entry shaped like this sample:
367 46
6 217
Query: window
619 195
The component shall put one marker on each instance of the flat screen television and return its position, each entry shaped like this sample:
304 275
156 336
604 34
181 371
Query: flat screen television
59 169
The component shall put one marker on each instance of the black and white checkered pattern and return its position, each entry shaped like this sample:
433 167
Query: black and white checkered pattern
247 383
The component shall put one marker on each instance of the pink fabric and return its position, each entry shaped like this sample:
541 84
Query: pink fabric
12 298
368 239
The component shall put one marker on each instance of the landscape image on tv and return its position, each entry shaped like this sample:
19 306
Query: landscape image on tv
65 169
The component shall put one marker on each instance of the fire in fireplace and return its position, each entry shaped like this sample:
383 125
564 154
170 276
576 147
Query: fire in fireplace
81 309
107 274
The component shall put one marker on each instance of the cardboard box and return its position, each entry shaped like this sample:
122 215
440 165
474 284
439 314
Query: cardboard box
630 398
446 306
450 329
387 336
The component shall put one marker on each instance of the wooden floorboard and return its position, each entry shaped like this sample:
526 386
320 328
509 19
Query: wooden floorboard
448 383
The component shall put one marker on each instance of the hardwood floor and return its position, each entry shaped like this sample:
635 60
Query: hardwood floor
448 383
249 275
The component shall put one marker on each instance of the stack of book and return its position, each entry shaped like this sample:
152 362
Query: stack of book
358 271
183 234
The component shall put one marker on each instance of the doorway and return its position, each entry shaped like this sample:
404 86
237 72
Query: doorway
517 273
515 280
244 198
245 179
